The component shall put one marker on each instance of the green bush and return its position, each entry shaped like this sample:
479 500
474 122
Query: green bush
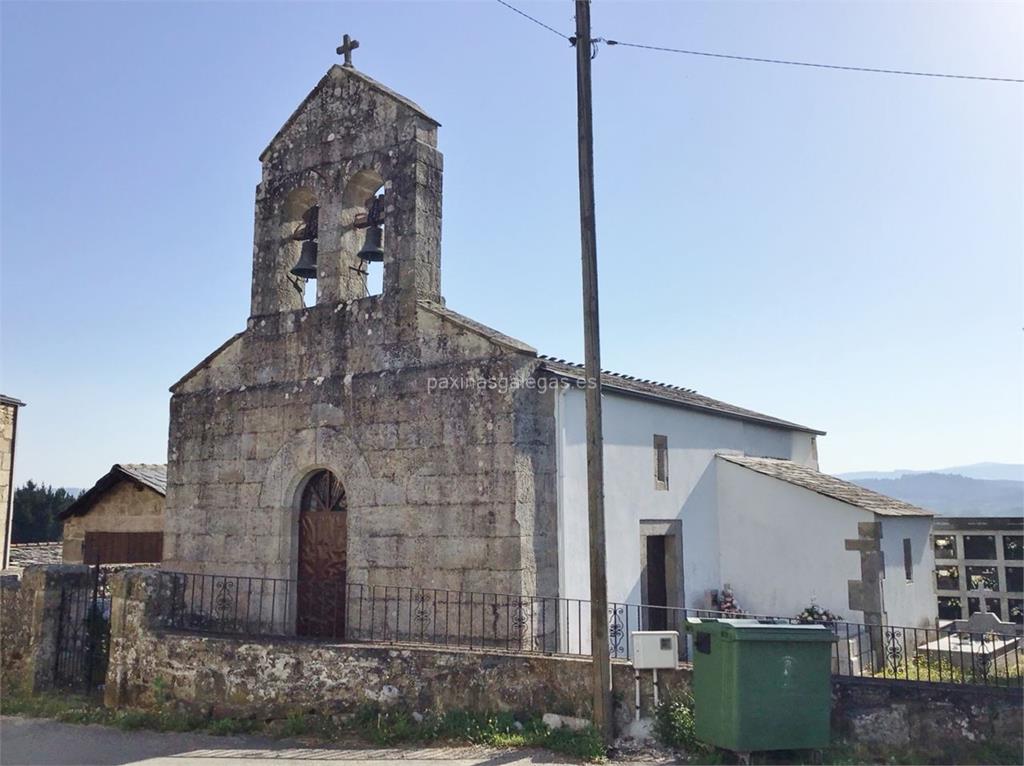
674 724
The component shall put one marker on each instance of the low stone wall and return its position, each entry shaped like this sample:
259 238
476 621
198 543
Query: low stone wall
29 616
15 610
272 678
929 718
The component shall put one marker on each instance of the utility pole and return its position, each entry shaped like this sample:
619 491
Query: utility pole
601 674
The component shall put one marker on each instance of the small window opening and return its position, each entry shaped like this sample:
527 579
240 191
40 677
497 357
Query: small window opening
660 462
908 560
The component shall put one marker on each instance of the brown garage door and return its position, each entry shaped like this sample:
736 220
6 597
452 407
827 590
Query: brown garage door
123 547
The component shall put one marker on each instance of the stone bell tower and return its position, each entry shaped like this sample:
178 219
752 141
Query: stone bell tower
350 139
317 447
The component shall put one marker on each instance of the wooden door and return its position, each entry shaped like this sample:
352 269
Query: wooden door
323 539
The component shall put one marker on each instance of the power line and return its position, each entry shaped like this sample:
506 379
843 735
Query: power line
809 64
531 18
759 60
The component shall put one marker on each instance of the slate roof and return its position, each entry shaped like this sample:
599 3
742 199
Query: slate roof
676 395
25 554
152 475
10 400
830 486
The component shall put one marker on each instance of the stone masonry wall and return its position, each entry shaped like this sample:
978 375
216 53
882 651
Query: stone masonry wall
126 507
446 488
15 624
930 719
272 678
29 617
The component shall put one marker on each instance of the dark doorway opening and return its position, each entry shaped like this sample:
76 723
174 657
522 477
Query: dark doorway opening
657 583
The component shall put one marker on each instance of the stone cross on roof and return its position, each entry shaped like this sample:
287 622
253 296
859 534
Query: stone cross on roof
345 49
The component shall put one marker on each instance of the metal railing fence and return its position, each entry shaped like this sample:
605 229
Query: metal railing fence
353 612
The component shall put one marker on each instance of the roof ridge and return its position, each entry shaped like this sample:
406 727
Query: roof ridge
620 375
671 394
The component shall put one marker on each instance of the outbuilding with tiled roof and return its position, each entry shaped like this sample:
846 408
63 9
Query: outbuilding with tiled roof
120 519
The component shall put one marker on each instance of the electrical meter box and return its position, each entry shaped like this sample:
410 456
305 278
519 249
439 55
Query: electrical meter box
655 649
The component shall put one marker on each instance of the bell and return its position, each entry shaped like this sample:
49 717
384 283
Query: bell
306 266
372 251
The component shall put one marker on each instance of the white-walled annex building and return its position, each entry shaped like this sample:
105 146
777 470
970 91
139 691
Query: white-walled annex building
723 495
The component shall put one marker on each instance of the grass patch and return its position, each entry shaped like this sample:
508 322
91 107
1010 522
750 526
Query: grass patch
460 727
922 668
370 723
83 710
68 708
225 727
673 727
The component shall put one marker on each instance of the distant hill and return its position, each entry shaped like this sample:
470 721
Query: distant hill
950 494
997 471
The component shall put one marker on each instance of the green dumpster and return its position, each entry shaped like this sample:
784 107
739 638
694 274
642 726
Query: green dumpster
761 686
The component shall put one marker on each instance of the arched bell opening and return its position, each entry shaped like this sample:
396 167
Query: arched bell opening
321 571
300 224
364 216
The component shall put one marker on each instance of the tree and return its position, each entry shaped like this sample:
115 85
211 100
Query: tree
35 512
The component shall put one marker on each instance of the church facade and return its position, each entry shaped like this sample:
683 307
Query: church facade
387 440
317 442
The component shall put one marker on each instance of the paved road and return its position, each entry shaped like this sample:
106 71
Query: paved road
36 742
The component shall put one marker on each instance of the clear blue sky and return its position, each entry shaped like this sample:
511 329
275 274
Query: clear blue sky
839 249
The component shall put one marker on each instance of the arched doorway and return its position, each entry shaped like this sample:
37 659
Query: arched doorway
323 540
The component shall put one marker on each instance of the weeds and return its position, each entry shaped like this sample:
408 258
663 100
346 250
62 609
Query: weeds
227 726
378 726
295 725
674 724
495 730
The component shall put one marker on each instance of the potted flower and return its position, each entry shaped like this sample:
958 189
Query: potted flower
816 615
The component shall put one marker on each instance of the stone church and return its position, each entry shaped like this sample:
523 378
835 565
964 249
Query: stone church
387 440
317 441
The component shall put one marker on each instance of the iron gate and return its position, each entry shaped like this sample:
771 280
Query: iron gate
83 634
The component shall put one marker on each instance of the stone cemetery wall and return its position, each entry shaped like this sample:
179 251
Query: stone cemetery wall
271 678
929 718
